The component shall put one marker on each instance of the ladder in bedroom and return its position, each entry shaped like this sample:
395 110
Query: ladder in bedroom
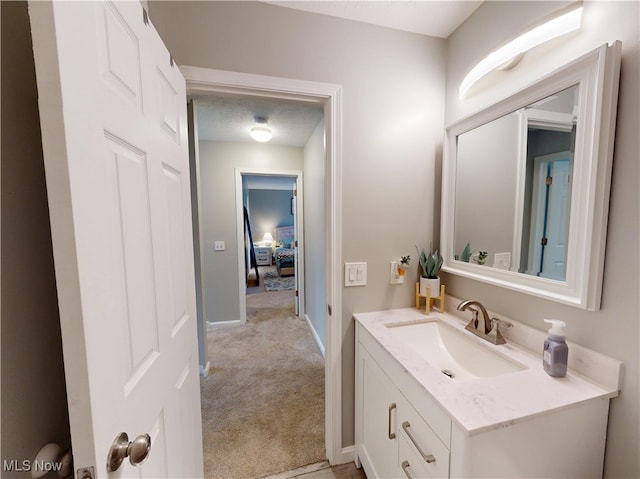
252 253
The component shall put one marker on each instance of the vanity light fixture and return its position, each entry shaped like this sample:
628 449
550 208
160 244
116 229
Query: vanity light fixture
510 54
261 132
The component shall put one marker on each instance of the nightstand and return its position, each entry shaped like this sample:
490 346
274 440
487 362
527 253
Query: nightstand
263 255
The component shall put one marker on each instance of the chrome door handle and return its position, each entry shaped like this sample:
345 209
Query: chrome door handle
136 450
391 435
427 457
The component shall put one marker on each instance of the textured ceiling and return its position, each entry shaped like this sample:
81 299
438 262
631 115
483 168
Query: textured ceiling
230 118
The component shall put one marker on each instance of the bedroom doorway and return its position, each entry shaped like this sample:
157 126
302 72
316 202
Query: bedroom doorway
271 227
328 239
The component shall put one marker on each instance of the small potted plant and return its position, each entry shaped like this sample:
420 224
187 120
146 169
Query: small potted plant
466 253
479 257
430 264
404 265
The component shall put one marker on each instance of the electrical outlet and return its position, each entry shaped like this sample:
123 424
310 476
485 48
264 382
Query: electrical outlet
394 276
219 246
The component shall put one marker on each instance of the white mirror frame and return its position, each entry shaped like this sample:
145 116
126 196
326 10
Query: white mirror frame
597 74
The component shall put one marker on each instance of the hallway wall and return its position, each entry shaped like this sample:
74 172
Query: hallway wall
314 232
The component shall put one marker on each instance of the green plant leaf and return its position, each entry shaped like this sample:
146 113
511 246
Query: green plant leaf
466 253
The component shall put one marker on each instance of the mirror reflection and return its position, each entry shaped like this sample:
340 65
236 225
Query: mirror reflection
513 188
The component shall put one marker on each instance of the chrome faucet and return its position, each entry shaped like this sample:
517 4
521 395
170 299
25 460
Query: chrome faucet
485 328
475 323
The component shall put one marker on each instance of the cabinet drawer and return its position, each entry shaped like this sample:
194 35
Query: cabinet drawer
421 446
263 255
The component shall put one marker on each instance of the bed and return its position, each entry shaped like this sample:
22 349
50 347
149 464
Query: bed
284 252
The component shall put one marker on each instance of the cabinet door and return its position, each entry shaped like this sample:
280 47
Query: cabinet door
378 420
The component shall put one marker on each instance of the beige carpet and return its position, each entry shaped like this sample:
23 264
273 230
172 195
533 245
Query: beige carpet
263 402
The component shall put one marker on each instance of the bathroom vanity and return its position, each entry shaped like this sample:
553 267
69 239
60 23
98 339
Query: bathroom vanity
433 400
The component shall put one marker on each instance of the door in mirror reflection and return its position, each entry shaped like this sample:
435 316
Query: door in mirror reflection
513 188
548 222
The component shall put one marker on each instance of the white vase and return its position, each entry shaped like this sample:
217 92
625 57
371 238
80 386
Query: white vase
432 283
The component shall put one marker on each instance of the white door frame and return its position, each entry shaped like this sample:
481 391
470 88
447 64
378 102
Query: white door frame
203 81
299 272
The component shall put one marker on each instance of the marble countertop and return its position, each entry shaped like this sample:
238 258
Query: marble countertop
482 404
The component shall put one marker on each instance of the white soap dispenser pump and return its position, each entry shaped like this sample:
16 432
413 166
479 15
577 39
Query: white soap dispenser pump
556 352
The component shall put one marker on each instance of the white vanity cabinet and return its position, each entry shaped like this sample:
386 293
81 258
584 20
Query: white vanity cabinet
563 442
394 440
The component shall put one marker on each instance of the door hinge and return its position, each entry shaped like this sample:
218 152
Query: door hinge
543 241
329 309
296 243
296 293
86 473
548 180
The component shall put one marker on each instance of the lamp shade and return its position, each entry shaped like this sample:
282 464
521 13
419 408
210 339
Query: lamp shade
267 239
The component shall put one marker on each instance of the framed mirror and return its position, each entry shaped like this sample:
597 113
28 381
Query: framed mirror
525 192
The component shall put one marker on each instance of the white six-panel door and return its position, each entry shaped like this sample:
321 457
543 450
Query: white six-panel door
113 116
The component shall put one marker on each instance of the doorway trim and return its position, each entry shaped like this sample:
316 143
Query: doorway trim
204 81
242 284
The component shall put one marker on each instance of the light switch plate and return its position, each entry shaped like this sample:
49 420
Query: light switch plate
355 274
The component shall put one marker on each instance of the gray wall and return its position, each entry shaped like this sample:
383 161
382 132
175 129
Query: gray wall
218 209
314 231
614 330
34 402
392 124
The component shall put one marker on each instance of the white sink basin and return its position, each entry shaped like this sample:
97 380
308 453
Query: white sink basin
451 351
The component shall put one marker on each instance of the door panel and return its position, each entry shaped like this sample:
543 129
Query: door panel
119 53
113 117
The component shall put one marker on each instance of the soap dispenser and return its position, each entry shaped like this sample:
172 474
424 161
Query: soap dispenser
556 352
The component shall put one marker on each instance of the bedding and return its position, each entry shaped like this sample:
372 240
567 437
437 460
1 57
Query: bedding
284 252
284 259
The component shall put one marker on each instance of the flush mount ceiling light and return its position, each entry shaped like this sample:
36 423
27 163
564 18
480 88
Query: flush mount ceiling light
510 54
260 132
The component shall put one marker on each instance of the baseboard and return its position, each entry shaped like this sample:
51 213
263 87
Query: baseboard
315 335
223 324
204 370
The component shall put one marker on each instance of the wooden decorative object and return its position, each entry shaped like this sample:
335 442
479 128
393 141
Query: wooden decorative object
429 299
